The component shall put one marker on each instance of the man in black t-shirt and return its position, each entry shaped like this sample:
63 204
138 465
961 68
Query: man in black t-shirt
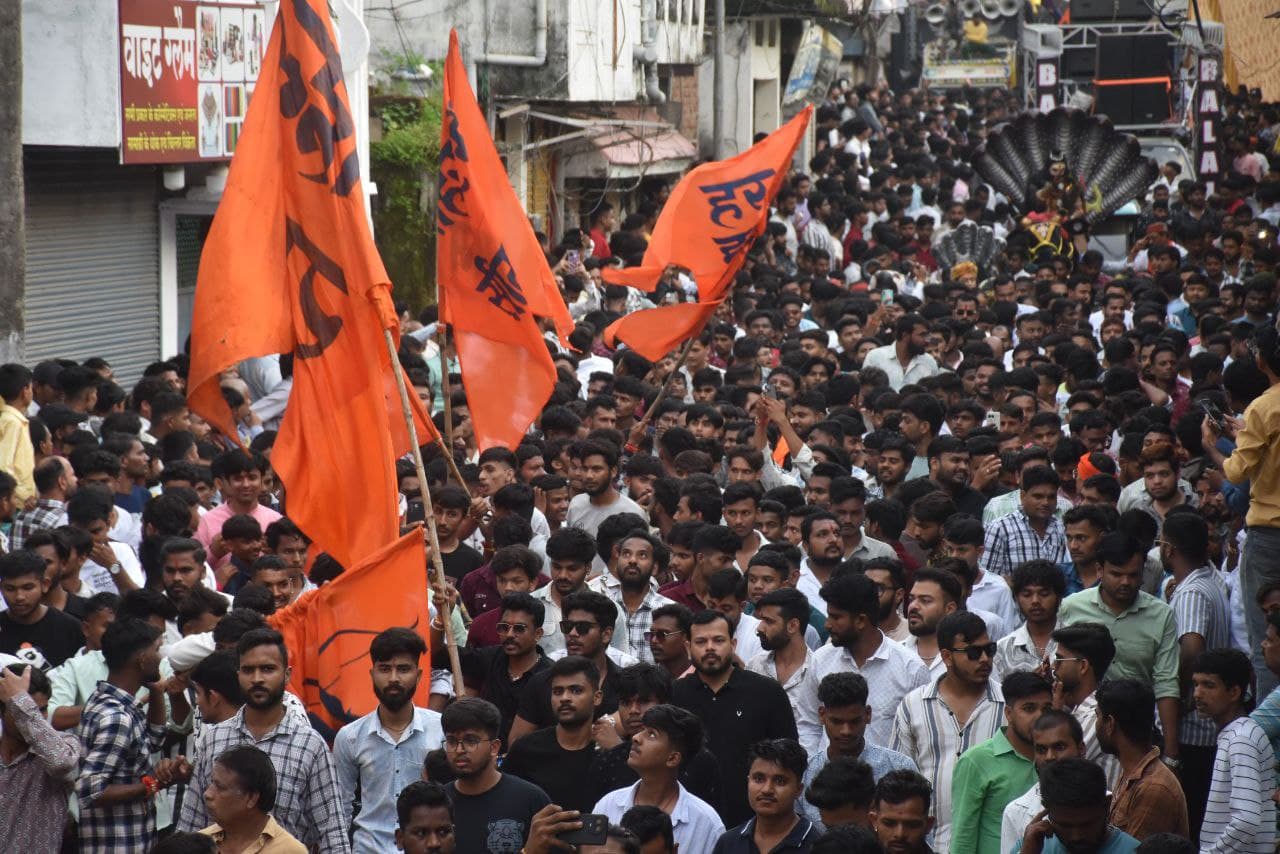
492 811
450 505
28 622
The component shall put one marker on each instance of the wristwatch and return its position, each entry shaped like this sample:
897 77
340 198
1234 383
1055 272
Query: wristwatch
115 569
1175 764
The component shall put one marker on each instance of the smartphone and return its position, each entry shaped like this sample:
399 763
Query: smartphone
417 512
1215 414
572 258
886 297
594 831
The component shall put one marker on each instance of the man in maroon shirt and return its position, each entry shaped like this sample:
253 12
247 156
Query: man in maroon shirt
515 570
714 547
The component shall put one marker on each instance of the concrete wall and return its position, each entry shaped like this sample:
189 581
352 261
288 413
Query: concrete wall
71 74
738 117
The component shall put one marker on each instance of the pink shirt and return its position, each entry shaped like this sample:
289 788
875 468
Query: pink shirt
211 526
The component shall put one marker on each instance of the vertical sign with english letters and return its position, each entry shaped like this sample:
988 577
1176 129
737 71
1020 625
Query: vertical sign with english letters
1208 115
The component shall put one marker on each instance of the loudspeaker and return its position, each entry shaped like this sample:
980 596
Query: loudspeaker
1134 103
1078 63
1087 11
1132 56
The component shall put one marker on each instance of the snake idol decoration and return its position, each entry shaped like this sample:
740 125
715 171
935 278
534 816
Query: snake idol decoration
1064 171
968 252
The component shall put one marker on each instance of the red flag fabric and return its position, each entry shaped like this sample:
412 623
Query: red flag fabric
328 630
493 277
707 226
290 266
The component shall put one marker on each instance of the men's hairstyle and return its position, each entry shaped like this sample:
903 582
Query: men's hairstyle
1021 684
962 625
255 638
501 455
522 558
596 604
841 690
89 504
1159 452
791 604
571 544
925 407
421 793
1132 704
741 491
849 838
716 538
101 602
397 641
1091 514
471 713
901 785
680 613
933 507
1230 665
649 823
450 497
217 671
681 727
281 528
889 515
1040 476
726 583
242 526
893 566
773 561
949 584
145 603
48 473
197 602
595 448
236 461
183 545
1190 537
237 623
13 379
21 563
1118 548
786 753
853 593
1056 717
1094 643
842 782
254 771
1076 783
124 638
525 604
573 665
1038 573
847 488
963 530
811 519
707 617
645 681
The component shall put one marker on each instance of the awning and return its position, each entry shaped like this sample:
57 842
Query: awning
631 142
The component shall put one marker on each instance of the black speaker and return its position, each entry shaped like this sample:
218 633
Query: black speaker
1098 11
1078 63
1151 55
1134 103
1126 57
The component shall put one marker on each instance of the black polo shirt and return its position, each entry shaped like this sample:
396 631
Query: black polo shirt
969 501
487 665
535 700
742 839
749 708
609 771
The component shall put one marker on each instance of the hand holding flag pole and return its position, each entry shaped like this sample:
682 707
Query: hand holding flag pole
437 564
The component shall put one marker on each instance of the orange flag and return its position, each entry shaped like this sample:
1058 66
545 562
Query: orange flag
290 266
328 630
494 280
707 226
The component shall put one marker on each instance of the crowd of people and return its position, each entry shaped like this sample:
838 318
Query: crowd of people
891 557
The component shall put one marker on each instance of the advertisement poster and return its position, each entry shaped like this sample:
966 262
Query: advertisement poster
813 71
187 71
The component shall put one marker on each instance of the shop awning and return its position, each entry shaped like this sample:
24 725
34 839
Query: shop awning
631 142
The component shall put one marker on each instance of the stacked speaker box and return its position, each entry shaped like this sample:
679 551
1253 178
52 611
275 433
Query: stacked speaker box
1107 11
1133 58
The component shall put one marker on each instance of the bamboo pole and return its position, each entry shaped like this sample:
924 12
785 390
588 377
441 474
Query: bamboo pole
437 579
662 391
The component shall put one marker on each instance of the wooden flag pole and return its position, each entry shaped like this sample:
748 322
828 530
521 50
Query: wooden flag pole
437 563
446 437
662 391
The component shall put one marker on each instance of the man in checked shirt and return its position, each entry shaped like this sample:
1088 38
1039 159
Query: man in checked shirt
307 802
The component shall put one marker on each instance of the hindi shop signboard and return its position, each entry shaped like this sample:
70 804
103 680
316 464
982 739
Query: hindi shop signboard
187 71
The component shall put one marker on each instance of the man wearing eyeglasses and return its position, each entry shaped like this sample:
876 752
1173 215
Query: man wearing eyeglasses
492 811
938 722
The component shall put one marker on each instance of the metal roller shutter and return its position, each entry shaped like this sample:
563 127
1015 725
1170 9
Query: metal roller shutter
93 260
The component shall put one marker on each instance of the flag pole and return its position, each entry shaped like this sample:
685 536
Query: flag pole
662 392
437 563
446 437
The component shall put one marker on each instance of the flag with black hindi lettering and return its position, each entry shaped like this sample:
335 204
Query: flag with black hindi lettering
290 267
494 279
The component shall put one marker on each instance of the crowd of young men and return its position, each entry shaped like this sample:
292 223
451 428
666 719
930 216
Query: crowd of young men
904 559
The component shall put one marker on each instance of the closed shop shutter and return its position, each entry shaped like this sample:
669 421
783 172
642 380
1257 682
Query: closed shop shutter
93 260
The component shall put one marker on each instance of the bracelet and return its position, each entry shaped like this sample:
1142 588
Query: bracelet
152 785
437 625
1170 762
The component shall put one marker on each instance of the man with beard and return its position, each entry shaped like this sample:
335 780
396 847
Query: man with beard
587 626
949 468
1056 735
820 533
848 503
570 551
934 595
599 499
424 815
383 751
117 781
1161 489
308 804
635 594
556 758
936 723
183 570
888 576
991 774
736 707
1074 821
844 711
1079 664
962 537
900 813
493 811
783 617
858 646
668 639
905 360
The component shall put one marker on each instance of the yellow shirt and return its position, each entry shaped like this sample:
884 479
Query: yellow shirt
17 455
1257 459
274 839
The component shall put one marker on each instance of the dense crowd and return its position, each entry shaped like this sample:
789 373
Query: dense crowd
893 556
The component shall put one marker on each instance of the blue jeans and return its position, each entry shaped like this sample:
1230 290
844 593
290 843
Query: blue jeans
1259 565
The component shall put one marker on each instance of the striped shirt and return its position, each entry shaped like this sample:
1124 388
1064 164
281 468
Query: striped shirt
1086 714
926 731
1011 541
1201 605
1240 816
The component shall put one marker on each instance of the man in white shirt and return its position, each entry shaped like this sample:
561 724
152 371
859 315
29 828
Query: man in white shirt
906 359
1055 735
